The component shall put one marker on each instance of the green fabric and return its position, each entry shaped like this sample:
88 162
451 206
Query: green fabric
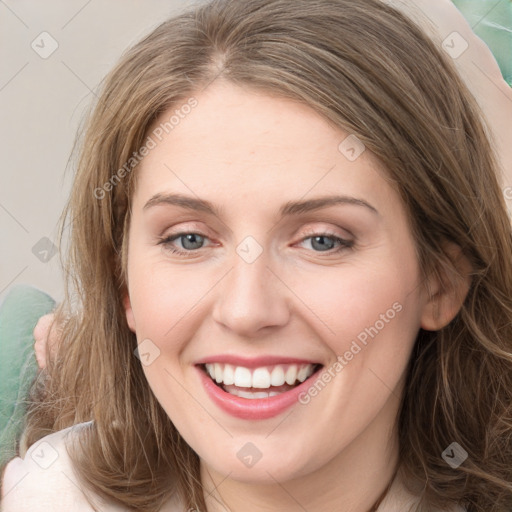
491 20
19 313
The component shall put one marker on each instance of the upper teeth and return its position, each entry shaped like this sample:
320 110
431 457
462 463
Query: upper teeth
263 377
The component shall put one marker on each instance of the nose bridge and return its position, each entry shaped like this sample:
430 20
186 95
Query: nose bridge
250 297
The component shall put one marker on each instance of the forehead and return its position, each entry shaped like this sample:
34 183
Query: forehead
239 144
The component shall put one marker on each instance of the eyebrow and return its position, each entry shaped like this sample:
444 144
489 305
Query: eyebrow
288 209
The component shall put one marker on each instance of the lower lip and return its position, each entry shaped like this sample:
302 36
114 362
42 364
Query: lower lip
257 408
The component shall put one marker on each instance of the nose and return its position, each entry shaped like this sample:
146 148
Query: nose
251 298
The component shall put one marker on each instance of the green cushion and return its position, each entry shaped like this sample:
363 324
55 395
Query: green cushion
19 313
491 20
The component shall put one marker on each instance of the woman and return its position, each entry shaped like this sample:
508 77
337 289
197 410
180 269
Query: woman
259 369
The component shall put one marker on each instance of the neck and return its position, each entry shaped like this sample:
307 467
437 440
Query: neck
352 481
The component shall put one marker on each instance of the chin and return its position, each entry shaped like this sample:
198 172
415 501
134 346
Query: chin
265 470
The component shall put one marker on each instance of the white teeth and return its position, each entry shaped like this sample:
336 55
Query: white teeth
218 373
291 375
303 374
243 377
262 378
229 374
251 394
277 377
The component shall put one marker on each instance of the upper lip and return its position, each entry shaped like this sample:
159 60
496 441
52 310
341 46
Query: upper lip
254 362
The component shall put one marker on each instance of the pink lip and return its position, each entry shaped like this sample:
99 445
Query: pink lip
253 409
253 362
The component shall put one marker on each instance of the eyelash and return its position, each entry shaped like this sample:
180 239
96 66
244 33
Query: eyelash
166 242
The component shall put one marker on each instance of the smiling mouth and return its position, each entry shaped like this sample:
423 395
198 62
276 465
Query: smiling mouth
263 382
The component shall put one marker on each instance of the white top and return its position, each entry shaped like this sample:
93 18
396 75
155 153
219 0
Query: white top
45 480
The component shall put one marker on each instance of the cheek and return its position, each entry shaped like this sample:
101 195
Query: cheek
164 298
358 305
340 303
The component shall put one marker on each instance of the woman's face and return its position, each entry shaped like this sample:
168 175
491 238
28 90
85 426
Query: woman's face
269 289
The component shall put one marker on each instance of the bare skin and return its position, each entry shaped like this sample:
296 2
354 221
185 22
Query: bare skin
45 335
362 448
340 450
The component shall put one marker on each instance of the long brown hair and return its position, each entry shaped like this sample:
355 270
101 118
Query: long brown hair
370 71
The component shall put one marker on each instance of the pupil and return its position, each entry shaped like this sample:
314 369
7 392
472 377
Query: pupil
191 238
322 238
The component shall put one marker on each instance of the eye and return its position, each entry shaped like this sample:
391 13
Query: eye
190 242
321 241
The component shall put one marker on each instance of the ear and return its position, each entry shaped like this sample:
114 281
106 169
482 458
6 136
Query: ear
447 291
130 318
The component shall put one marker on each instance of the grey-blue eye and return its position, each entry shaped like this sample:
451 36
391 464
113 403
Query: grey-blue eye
193 242
190 242
319 241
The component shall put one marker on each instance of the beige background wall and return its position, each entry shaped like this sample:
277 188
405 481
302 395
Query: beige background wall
42 101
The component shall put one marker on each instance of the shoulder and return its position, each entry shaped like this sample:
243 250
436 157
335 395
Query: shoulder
45 478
